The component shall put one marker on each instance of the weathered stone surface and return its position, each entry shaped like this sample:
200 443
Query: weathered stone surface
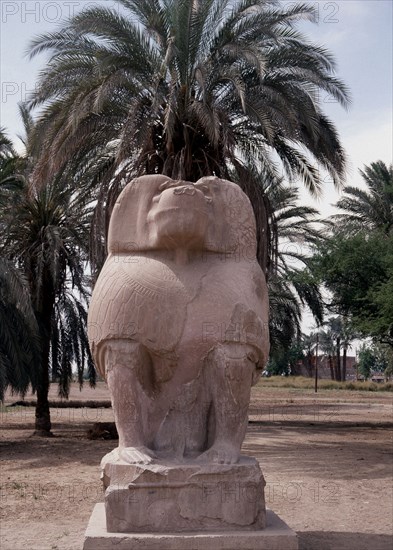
178 321
178 326
184 497
276 536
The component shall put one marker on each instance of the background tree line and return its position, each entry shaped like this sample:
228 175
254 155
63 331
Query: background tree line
353 266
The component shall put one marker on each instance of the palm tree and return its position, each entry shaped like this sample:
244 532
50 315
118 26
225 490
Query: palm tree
337 337
309 343
8 157
284 316
44 234
290 287
18 327
327 345
19 338
295 225
370 209
189 88
348 335
6 146
336 330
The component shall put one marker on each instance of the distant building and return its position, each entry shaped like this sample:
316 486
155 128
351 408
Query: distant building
306 367
378 377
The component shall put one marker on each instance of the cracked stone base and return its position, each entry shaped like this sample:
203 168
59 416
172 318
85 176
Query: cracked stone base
276 536
172 497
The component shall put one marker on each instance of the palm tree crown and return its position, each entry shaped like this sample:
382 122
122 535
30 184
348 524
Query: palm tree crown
370 209
189 88
6 147
44 233
290 288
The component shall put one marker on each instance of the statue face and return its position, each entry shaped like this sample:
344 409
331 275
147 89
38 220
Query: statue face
178 217
155 212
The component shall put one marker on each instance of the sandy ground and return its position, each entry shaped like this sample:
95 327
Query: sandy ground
326 458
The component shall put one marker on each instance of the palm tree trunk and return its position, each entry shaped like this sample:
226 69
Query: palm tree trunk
334 361
44 311
345 364
338 348
331 367
43 423
309 364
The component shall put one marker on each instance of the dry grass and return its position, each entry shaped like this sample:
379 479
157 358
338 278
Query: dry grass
300 382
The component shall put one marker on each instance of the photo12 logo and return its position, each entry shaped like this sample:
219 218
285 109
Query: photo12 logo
325 12
29 11
15 90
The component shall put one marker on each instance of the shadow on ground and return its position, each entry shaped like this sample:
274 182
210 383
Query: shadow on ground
302 448
325 540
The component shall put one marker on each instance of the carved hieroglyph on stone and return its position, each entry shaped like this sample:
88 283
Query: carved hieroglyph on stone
178 328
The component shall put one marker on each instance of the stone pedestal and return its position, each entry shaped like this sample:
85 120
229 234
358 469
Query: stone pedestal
184 497
178 506
276 536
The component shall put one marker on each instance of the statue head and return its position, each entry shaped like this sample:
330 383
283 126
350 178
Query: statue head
157 213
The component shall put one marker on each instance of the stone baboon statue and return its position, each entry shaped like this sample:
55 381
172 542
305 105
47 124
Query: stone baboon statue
178 321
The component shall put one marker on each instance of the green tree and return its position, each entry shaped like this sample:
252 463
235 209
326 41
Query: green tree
44 234
285 360
358 272
367 361
386 353
190 88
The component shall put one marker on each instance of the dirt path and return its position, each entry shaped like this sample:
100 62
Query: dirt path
327 462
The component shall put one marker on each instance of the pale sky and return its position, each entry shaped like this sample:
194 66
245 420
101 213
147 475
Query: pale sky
359 34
